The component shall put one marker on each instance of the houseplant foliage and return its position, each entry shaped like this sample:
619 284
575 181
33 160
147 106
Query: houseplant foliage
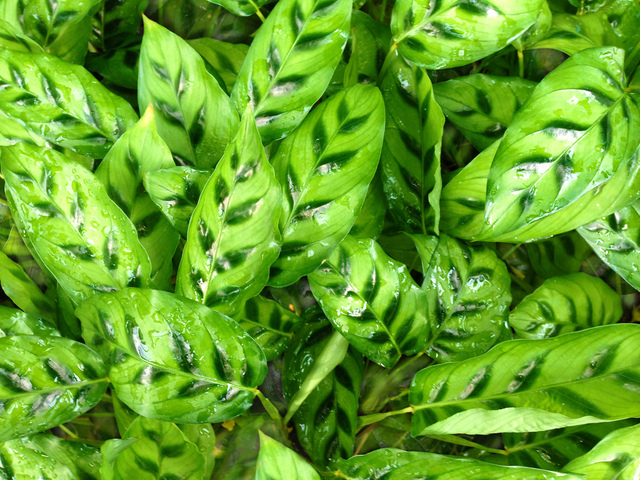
304 239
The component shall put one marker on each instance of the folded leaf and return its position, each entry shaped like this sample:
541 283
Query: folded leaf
290 63
233 235
373 301
575 135
468 293
325 168
370 220
277 461
371 44
62 103
194 115
565 304
560 255
45 382
15 322
173 359
224 59
85 241
451 33
13 38
583 377
412 143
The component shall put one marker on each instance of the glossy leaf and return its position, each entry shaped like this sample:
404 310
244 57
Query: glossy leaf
412 143
85 241
326 420
47 456
556 160
13 38
160 451
204 438
394 464
370 220
617 457
482 106
193 114
373 301
277 461
565 304
176 192
325 168
583 377
233 235
116 21
573 33
16 322
224 59
46 381
62 103
290 63
451 33
615 239
467 289
560 255
370 47
269 324
166 349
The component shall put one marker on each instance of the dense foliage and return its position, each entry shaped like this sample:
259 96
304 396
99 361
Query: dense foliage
304 239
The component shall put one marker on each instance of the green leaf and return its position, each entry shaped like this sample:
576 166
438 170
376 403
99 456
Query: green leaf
452 33
482 106
560 255
370 220
572 140
277 461
173 359
241 7
85 241
160 451
15 322
124 417
325 168
194 115
224 60
46 381
412 144
290 63
176 192
615 240
115 22
270 325
119 67
204 438
22 291
393 464
368 50
582 377
565 304
617 456
468 293
326 420
233 235
13 38
138 151
47 456
62 103
373 301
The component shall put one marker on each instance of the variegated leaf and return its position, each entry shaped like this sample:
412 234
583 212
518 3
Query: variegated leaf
16 322
13 38
224 60
277 461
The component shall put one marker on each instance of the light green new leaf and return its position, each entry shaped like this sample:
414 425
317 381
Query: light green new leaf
194 115
582 377
11 131
325 168
269 324
160 450
276 461
290 63
204 438
617 457
565 304
22 291
393 464
173 359
326 420
482 106
45 382
62 103
616 240
85 241
13 38
224 60
47 456
452 33
16 322
233 235
560 255
373 301
572 141
412 144
468 293
176 192
138 151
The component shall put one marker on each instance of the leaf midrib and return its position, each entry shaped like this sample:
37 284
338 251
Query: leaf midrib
61 388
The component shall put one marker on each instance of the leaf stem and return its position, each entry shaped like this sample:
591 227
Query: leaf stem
68 432
258 12
273 413
510 251
366 420
520 63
